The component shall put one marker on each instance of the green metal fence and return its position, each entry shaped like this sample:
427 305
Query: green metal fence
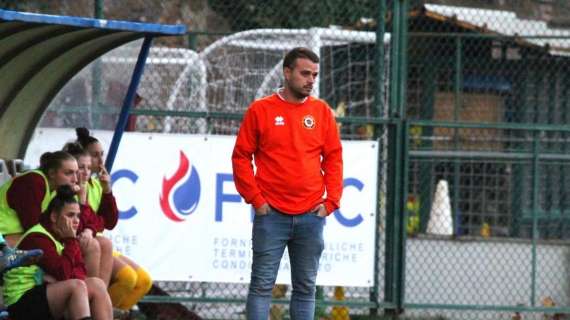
486 106
470 107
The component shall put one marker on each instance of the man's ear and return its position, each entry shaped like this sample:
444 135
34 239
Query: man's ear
287 73
51 173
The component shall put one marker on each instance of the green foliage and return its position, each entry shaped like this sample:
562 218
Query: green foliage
248 14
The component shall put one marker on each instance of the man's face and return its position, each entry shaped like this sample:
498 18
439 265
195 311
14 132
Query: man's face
301 78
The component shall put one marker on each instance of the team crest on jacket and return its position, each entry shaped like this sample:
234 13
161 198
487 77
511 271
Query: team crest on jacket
309 121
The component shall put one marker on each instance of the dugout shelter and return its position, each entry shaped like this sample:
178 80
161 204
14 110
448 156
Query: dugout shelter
40 53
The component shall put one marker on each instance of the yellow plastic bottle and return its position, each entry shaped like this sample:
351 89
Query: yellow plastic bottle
339 312
485 230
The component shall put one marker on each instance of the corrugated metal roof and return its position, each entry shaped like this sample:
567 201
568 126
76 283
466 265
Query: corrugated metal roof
505 23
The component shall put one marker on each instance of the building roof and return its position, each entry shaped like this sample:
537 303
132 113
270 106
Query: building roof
503 23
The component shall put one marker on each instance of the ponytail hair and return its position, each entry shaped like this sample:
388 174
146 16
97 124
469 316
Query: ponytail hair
84 138
75 149
64 195
53 160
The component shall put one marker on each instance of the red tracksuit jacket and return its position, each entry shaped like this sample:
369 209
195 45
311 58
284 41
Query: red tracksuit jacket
297 154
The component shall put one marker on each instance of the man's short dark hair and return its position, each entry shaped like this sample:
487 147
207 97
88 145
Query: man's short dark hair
299 53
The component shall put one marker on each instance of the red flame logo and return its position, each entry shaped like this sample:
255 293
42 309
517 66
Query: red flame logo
168 185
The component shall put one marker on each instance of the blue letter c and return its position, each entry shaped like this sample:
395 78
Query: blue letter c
338 214
126 174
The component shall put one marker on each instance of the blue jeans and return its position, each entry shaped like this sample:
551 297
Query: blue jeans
303 236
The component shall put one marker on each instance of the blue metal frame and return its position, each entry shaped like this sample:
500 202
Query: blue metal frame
127 103
112 25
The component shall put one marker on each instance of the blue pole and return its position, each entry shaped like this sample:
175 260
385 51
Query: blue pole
127 103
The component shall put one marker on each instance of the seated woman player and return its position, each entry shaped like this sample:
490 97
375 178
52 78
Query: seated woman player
56 287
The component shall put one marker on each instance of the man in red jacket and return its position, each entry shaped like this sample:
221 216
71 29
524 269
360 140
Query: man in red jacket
294 141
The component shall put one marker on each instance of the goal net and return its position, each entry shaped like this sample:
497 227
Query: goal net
174 79
248 65
225 77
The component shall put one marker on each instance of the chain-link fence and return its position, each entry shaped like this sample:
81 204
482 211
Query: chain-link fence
487 198
204 88
468 105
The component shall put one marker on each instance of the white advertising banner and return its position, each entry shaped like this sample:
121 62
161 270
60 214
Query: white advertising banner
182 218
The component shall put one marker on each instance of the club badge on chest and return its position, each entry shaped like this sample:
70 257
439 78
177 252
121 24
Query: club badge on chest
309 122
